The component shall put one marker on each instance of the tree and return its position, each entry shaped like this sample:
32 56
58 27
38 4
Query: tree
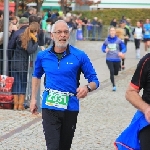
67 3
38 2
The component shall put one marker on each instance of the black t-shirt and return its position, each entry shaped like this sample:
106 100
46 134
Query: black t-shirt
141 77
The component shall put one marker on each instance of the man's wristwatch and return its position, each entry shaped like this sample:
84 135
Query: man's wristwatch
89 88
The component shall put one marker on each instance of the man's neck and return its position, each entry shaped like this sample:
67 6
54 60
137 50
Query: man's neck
59 49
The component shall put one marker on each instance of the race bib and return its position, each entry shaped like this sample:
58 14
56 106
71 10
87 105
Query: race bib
147 33
112 47
138 36
57 99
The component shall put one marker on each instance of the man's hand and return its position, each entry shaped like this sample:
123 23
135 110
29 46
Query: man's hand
33 107
147 114
82 92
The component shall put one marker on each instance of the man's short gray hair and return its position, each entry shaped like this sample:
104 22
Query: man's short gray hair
53 26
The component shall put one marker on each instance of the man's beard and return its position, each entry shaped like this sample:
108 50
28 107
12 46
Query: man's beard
61 45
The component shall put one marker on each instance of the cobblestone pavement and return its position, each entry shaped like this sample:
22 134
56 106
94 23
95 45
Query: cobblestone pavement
103 115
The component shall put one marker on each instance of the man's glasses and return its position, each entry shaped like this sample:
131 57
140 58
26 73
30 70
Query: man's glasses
60 32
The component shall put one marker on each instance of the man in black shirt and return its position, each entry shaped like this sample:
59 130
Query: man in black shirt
141 80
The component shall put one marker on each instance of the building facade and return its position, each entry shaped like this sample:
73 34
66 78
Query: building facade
53 4
123 4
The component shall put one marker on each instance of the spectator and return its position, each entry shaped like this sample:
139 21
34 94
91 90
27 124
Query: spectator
26 44
100 26
89 29
23 23
34 18
1 46
79 22
54 16
11 14
43 22
49 14
128 22
29 12
123 19
1 15
114 22
13 20
1 42
95 25
48 32
34 11
84 20
72 26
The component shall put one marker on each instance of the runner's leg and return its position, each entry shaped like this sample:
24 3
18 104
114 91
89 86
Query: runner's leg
68 129
116 68
123 60
111 69
52 127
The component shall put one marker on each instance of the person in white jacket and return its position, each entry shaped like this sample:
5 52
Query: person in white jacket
138 35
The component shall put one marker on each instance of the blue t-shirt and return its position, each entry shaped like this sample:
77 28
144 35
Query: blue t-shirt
147 31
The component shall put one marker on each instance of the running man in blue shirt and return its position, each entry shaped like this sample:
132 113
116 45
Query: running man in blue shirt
62 65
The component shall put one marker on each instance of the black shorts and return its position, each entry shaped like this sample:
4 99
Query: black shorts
146 39
144 139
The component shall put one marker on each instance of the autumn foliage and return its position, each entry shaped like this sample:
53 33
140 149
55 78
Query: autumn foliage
79 2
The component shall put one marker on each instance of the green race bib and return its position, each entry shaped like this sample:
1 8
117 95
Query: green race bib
57 99
112 47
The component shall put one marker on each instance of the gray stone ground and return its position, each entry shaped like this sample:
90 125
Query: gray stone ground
103 114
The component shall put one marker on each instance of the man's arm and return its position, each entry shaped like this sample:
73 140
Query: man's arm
135 99
35 86
90 74
138 82
36 79
132 95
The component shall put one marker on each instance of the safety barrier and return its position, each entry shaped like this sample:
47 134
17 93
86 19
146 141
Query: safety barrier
95 33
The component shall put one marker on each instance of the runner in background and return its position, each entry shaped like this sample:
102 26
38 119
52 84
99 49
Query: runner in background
146 28
126 38
114 49
138 35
